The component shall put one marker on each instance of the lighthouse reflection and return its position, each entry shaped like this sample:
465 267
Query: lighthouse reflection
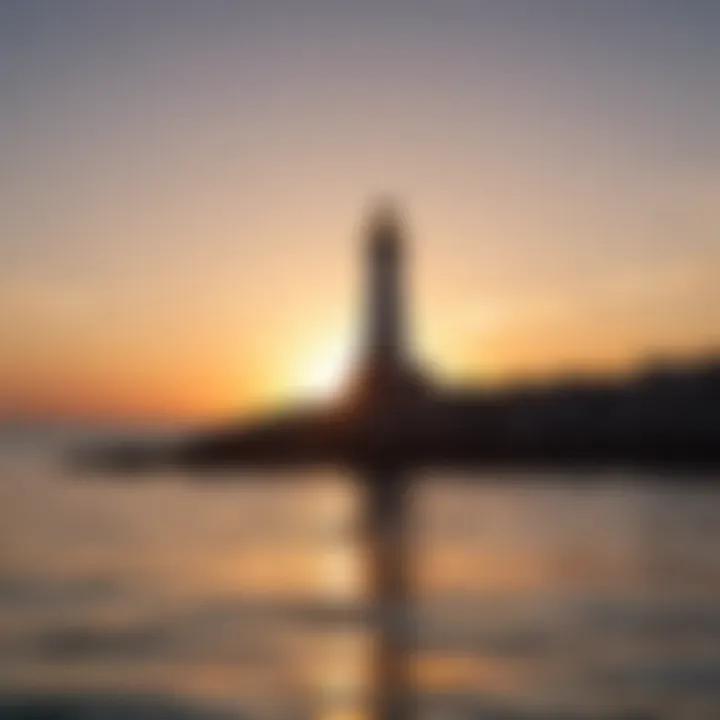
390 538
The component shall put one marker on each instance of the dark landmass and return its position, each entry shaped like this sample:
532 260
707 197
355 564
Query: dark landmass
663 415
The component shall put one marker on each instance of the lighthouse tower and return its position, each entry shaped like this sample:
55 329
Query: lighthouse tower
384 319
387 376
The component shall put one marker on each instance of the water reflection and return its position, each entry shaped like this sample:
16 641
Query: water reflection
533 598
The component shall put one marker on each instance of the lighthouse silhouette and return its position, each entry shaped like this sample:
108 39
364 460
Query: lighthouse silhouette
388 375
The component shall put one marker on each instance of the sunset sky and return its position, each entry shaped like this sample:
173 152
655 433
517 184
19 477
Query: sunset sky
183 184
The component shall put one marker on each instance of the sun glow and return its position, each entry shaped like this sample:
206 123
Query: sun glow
327 370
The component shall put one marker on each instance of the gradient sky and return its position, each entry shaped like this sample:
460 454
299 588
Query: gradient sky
182 186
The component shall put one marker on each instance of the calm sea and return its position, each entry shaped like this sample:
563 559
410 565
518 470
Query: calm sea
537 596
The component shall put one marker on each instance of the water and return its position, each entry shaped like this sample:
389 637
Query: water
243 596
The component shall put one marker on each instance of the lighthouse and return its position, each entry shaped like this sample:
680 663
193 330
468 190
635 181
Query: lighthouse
384 313
387 374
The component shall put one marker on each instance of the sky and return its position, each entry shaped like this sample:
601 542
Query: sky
183 186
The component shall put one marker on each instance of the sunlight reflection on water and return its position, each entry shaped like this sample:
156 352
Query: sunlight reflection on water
596 599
